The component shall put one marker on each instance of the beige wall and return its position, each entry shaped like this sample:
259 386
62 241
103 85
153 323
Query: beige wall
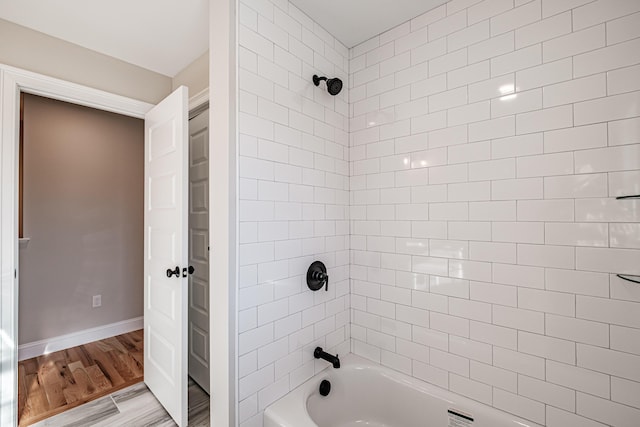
195 76
34 51
83 210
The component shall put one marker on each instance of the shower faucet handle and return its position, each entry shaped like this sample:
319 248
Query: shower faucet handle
317 276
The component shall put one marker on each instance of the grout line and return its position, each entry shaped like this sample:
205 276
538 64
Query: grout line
114 402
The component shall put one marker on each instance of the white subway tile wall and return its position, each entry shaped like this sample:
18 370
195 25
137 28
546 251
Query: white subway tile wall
294 200
461 191
488 141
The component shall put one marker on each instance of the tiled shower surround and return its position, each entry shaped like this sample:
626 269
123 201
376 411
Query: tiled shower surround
486 144
294 201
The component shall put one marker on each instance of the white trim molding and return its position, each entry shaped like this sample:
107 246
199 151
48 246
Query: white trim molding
9 128
38 348
199 99
223 220
50 87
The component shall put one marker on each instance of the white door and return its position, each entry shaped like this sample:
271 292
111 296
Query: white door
165 248
199 249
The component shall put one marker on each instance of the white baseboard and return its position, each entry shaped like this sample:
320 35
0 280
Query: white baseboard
38 348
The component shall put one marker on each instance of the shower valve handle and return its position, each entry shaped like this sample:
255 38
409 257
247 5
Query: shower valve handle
317 277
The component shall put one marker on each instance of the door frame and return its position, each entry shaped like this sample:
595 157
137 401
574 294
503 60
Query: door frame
198 100
223 212
13 81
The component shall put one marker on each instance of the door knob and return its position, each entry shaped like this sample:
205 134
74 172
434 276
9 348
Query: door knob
175 271
189 270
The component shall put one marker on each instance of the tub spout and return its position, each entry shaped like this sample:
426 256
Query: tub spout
321 354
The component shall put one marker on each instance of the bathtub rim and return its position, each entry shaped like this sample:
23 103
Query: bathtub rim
294 403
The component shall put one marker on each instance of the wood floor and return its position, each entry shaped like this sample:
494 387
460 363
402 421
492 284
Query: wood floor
56 382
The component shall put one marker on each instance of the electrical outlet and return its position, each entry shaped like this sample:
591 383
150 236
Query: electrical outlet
97 301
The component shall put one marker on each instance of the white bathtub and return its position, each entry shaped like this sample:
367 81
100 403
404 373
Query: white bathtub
365 394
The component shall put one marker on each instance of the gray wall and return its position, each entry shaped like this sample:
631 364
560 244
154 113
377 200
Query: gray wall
83 210
40 53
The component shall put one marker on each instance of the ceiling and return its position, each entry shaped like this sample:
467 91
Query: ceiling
354 21
160 35
167 35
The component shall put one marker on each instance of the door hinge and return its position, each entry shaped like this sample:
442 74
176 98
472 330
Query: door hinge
15 274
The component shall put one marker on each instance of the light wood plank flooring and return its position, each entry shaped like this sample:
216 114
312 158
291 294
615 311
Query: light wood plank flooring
97 384
56 382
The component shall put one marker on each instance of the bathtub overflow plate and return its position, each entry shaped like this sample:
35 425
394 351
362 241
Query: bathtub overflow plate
325 388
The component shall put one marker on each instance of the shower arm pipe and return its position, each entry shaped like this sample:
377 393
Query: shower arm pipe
317 79
633 196
627 277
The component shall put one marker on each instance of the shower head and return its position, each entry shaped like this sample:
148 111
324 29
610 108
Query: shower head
334 86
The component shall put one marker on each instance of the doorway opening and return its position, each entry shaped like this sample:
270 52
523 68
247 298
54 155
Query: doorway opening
81 252
85 242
